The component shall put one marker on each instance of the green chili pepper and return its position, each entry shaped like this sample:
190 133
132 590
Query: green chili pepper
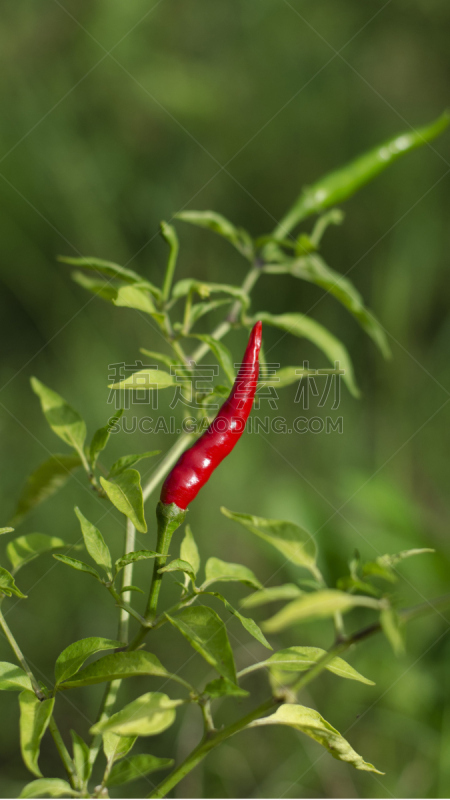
343 183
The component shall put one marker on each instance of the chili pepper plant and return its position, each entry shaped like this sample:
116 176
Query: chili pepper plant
105 762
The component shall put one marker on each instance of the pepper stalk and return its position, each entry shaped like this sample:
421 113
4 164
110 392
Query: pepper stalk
169 518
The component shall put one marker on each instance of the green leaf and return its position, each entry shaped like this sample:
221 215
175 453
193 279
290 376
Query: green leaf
383 566
249 624
94 542
211 220
78 565
303 326
352 583
371 568
178 565
150 714
317 605
314 270
101 437
189 550
221 352
200 309
296 544
7 584
299 659
136 767
6 530
272 238
309 721
130 558
310 583
116 747
219 224
126 495
104 289
218 570
73 657
34 719
344 182
110 269
220 687
169 235
145 379
13 678
118 666
47 479
48 787
25 548
207 634
137 297
131 588
391 628
274 593
333 217
81 758
162 357
286 376
280 680
62 418
125 462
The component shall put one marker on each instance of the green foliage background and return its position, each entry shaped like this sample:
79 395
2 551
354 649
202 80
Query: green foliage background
116 115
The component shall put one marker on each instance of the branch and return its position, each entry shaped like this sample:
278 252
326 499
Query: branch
20 657
209 742
213 738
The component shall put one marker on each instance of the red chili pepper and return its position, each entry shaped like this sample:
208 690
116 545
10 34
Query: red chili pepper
196 465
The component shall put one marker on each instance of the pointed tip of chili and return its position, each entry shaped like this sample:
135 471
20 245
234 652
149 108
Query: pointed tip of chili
257 333
251 354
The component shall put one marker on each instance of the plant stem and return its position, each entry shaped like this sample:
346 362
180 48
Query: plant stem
125 607
339 647
130 541
127 579
288 222
111 692
405 615
61 747
187 313
169 519
64 753
108 702
20 656
160 621
339 626
179 352
248 284
218 333
171 264
166 463
209 742
214 738
186 601
208 722
223 328
110 695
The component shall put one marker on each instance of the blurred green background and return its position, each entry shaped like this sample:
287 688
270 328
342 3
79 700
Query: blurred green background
116 115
